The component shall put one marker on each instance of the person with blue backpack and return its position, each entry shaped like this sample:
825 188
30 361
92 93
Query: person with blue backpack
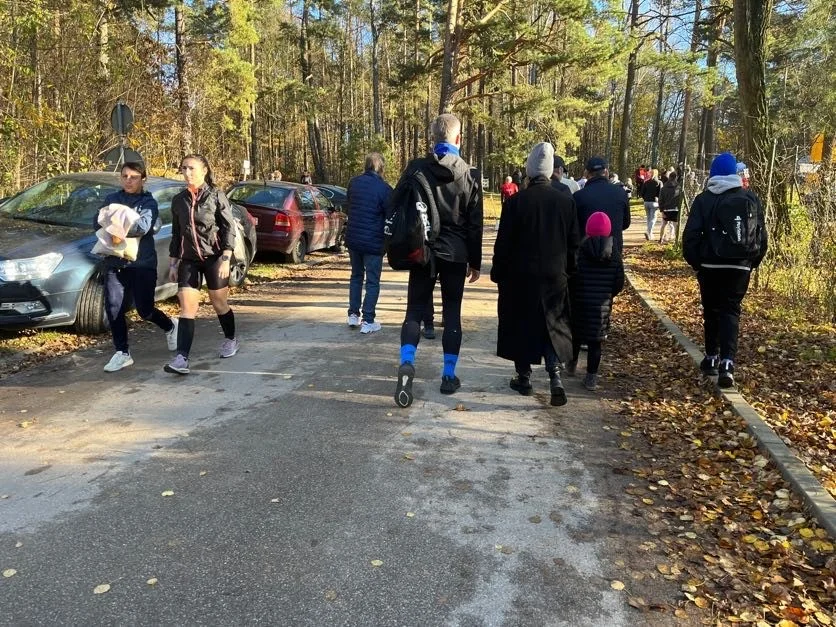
724 240
440 197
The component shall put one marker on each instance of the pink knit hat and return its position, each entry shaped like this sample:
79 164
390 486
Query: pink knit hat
599 224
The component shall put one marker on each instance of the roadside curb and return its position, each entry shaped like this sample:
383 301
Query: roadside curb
821 504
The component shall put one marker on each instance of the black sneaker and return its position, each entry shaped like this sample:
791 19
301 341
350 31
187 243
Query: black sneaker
726 371
522 384
403 391
558 393
708 366
429 332
450 384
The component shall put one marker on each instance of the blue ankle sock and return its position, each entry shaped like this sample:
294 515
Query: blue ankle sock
408 353
449 365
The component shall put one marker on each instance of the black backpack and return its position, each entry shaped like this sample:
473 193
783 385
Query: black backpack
734 229
412 222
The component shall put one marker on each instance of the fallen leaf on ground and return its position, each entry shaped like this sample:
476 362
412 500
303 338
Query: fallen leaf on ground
377 563
152 581
9 572
101 588
167 493
331 595
615 584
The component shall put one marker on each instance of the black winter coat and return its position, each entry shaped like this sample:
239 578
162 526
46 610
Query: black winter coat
534 255
202 225
599 277
651 190
670 198
458 196
600 195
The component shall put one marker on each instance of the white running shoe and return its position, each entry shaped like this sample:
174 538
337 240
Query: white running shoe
171 336
353 321
370 327
118 361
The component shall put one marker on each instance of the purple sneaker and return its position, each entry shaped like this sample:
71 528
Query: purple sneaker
178 365
229 348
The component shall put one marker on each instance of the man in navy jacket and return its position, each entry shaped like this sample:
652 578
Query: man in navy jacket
368 194
600 195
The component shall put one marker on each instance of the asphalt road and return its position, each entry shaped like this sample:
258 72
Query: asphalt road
301 494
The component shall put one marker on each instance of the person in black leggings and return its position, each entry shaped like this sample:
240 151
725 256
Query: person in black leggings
457 255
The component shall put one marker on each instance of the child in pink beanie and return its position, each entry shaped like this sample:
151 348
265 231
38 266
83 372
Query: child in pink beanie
599 277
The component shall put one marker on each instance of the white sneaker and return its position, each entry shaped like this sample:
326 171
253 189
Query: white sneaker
370 327
118 361
353 321
171 336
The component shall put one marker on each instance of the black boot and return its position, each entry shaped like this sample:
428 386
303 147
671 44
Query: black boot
522 383
556 387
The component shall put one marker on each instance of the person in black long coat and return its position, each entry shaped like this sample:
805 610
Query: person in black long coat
599 277
534 255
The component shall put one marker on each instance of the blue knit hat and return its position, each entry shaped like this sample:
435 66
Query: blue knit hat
724 164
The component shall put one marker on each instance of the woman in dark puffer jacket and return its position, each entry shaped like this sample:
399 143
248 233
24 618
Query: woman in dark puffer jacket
599 277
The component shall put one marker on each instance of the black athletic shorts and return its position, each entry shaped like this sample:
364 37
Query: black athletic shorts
671 215
191 273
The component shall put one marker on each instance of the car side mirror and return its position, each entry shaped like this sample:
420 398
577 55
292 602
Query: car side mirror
158 224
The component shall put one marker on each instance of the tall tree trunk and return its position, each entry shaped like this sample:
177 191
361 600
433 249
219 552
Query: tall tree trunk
254 160
452 34
182 61
377 105
626 116
660 99
751 22
710 120
311 119
610 122
682 153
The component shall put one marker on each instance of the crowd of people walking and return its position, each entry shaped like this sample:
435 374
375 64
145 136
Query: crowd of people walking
557 259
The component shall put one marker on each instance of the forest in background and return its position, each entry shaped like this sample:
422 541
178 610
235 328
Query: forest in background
316 84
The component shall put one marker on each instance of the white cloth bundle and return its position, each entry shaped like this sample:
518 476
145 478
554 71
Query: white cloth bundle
112 239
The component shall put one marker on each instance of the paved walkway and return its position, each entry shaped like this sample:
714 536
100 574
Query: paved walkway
302 495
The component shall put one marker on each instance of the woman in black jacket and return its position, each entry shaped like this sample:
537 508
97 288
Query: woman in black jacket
599 277
202 240
650 194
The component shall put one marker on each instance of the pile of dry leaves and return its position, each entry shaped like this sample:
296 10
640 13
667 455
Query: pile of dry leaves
786 364
738 541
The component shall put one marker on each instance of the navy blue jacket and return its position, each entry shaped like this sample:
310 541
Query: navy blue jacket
145 205
368 194
600 195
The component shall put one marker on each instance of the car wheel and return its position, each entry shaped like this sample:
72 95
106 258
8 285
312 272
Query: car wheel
297 255
238 269
338 246
90 317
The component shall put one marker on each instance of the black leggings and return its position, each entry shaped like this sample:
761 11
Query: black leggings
419 294
593 355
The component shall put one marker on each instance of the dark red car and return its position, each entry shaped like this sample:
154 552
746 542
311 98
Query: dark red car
293 219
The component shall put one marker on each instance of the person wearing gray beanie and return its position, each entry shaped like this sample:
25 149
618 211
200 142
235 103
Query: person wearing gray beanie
540 161
533 255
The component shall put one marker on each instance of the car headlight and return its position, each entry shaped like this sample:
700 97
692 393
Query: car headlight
29 269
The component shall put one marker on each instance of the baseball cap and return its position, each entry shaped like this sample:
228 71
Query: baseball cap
559 163
596 164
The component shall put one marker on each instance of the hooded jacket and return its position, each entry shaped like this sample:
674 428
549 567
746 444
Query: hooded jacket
202 225
368 194
651 190
145 205
599 277
695 245
670 198
458 196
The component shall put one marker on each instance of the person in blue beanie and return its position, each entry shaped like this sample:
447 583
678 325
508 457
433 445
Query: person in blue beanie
724 240
457 254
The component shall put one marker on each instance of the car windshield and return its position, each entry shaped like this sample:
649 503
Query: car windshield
61 201
260 195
